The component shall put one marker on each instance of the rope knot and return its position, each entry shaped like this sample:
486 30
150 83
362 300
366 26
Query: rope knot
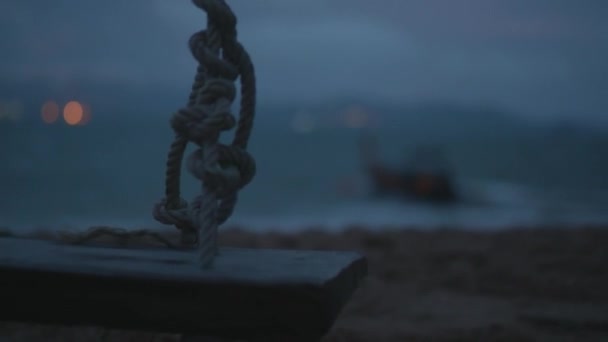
201 47
172 213
217 88
198 125
241 160
223 169
230 171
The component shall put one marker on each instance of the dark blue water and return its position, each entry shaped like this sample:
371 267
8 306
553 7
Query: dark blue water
111 171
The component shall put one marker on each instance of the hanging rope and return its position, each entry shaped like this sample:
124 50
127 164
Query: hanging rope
222 169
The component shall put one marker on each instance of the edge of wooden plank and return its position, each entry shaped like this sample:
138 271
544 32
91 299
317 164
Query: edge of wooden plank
222 308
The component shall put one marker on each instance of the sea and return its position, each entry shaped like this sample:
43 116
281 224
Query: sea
509 170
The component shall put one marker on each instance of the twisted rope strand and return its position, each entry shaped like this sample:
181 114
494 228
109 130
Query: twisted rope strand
223 170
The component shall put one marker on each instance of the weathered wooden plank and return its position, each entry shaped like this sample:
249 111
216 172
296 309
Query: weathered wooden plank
249 293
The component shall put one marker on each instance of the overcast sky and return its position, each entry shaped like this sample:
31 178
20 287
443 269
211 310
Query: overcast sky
537 57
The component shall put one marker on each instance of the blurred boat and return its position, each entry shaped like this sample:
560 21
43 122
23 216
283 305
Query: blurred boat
424 178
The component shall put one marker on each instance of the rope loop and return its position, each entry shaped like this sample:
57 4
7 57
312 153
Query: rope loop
222 169
178 217
235 169
219 15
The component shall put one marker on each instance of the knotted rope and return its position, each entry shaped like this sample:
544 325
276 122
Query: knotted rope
222 169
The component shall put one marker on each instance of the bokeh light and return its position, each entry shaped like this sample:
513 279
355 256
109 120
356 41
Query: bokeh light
49 112
73 113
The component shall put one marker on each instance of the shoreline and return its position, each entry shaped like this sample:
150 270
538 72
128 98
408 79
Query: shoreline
520 284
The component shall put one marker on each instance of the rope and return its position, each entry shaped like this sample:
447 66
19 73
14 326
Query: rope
117 233
222 169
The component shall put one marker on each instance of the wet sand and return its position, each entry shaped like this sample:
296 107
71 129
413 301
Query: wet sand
522 284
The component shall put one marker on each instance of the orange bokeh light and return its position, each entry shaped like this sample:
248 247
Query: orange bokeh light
73 113
49 112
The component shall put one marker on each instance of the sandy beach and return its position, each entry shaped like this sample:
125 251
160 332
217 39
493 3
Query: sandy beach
520 284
